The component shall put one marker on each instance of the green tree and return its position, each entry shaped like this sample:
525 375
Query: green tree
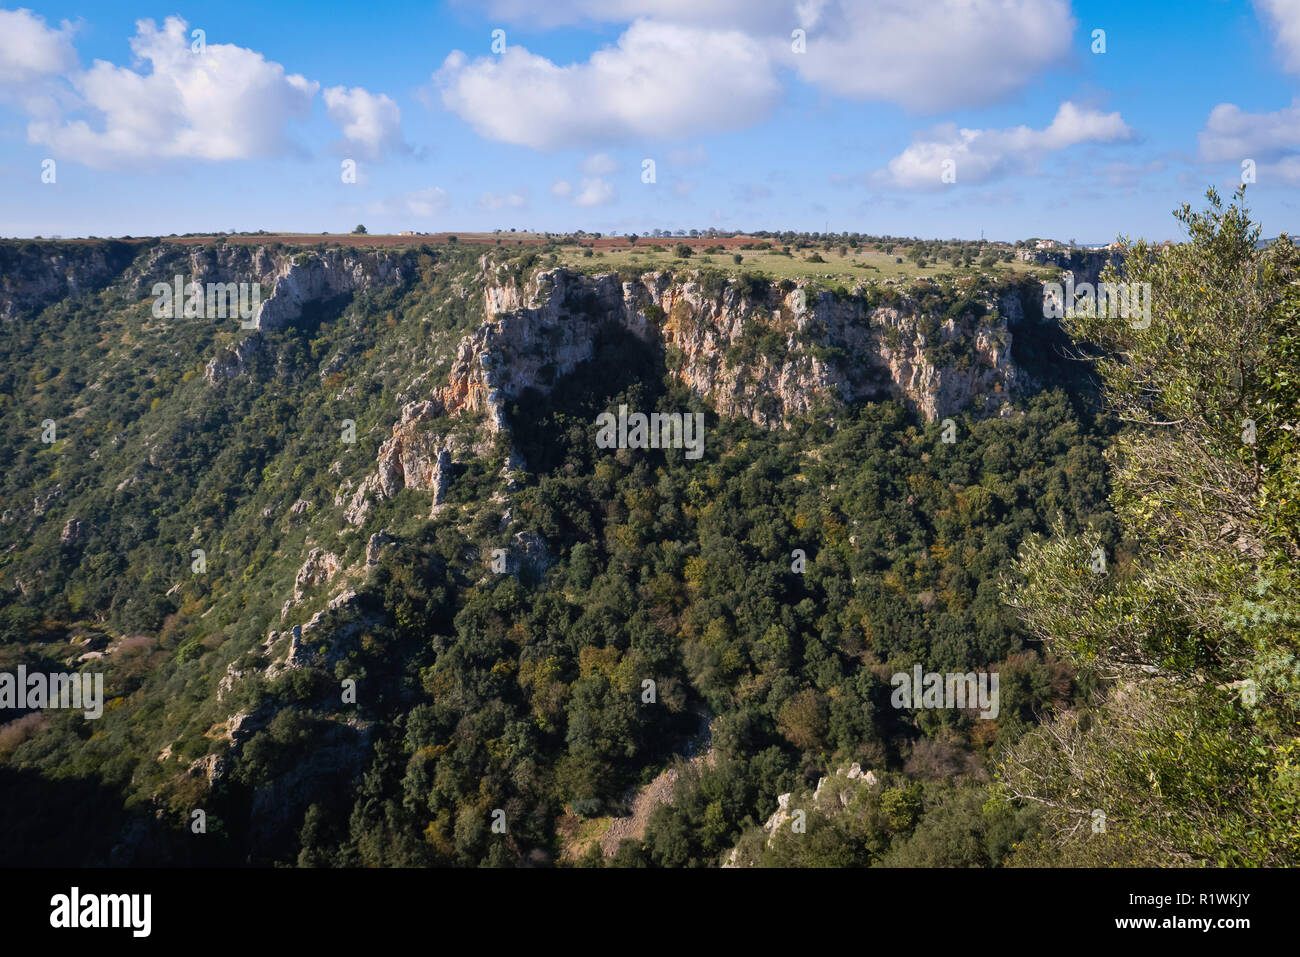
1190 753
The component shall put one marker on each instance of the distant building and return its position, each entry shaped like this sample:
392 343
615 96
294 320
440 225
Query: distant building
407 232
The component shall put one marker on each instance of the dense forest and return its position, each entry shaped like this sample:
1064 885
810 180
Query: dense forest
735 617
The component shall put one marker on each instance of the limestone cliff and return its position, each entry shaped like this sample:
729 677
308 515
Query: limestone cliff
33 276
287 280
769 354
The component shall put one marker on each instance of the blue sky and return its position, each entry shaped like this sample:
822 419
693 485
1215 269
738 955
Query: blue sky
1038 134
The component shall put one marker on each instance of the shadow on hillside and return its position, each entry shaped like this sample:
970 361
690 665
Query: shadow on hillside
78 822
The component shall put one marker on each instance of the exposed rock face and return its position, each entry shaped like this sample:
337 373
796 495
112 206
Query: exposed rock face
307 277
832 795
379 541
32 275
336 625
212 766
779 817
287 280
358 510
320 567
844 784
814 351
286 283
232 362
829 350
413 457
73 532
241 726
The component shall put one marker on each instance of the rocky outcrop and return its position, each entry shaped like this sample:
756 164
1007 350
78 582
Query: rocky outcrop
286 280
320 567
412 457
232 362
379 542
767 353
322 641
311 277
832 795
213 767
34 274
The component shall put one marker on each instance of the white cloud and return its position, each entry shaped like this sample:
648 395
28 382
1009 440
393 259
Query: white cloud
929 55
594 191
30 50
1233 135
497 201
225 103
1271 140
555 13
371 124
981 155
1283 16
659 81
423 203
1287 169
427 202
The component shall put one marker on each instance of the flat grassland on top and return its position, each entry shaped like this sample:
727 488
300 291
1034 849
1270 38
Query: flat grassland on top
859 265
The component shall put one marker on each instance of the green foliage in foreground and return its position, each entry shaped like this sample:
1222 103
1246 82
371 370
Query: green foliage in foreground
1191 754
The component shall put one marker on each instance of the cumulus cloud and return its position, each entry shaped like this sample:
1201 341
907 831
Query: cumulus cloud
982 155
659 81
371 123
1283 16
30 50
553 13
224 103
1271 140
927 55
1233 135
932 55
594 191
